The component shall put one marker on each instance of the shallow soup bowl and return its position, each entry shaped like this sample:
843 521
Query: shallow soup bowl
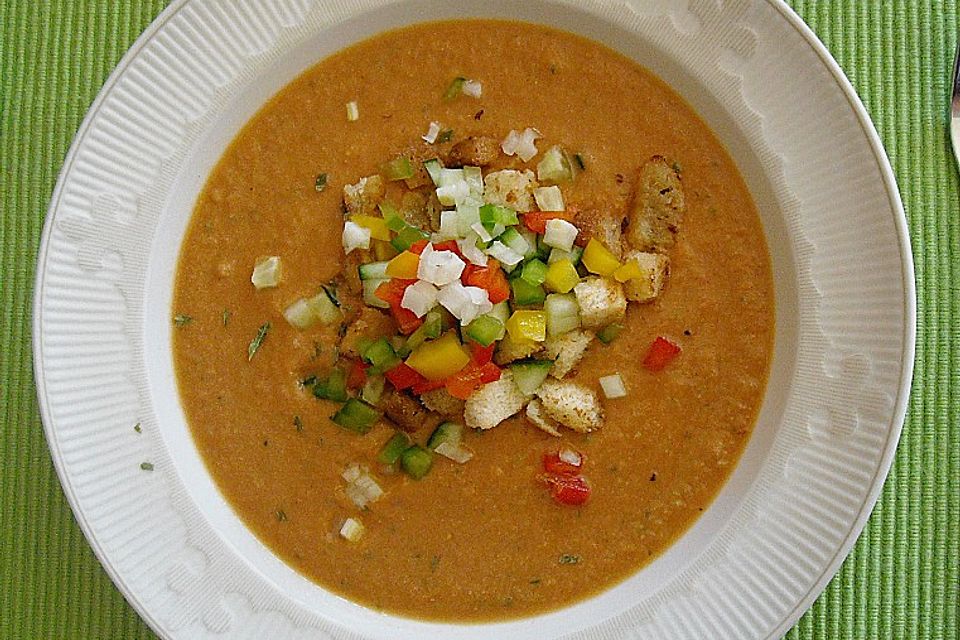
827 428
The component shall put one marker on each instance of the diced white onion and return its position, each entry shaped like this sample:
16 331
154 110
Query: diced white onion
266 272
419 298
473 176
432 132
453 452
352 529
465 303
450 194
449 226
355 236
518 243
510 144
301 314
352 472
472 88
470 250
571 457
353 111
613 386
439 267
527 149
481 231
504 254
549 198
450 176
468 214
560 234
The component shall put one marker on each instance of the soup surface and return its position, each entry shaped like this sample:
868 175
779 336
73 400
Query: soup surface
480 540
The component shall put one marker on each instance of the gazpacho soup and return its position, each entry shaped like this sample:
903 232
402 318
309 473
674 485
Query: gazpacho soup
472 320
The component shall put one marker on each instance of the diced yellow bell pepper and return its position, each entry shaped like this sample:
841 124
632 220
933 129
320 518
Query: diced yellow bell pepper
562 276
404 266
439 359
527 325
378 226
598 259
629 271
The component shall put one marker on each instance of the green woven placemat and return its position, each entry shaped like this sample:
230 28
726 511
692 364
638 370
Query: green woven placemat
901 581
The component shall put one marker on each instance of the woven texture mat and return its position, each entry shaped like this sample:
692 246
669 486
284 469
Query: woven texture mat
901 581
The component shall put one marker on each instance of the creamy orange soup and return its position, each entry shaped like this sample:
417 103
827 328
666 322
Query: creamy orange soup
481 540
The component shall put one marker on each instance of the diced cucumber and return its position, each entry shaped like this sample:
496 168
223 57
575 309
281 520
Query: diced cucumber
555 166
433 168
531 239
609 333
430 329
381 356
451 432
356 415
528 375
563 313
373 271
369 293
534 272
416 461
394 448
334 387
484 330
512 238
573 255
397 169
525 293
373 388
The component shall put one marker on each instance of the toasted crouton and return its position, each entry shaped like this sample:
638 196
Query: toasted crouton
566 350
538 417
509 350
658 206
606 226
371 324
407 413
654 267
572 405
510 188
413 208
601 301
362 198
442 402
493 403
477 151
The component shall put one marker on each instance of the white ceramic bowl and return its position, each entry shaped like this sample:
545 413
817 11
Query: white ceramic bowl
827 429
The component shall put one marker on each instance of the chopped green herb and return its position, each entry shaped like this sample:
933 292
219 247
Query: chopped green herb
182 320
137 428
225 317
444 136
569 558
321 182
258 340
146 466
578 158
455 88
281 515
298 423
536 581
331 291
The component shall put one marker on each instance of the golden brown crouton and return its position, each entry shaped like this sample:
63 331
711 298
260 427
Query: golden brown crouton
601 301
363 197
477 151
646 288
493 403
413 208
509 350
510 188
604 225
572 405
539 418
442 402
371 324
407 413
658 206
566 350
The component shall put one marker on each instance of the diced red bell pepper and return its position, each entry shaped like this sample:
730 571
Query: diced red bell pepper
552 463
661 353
392 290
407 321
403 377
418 246
536 221
357 377
470 378
489 278
569 490
482 355
427 385
448 245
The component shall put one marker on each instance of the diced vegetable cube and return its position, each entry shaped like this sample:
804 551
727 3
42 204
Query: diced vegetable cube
609 333
403 266
377 226
484 330
356 415
449 432
534 272
266 272
381 356
598 259
549 198
397 169
527 325
416 461
560 234
525 293
530 374
439 359
563 313
562 276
